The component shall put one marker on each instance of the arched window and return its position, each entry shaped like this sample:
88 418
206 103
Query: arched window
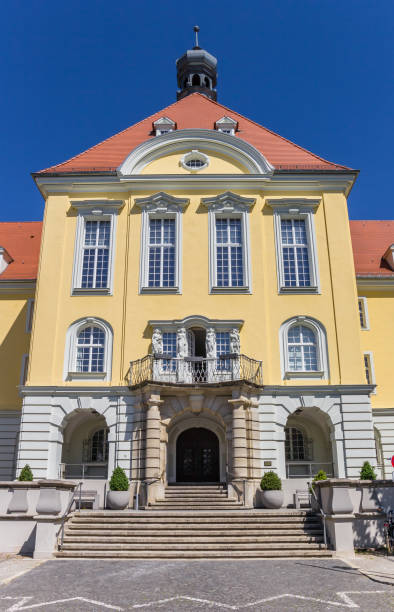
88 350
303 349
206 82
296 448
301 342
196 82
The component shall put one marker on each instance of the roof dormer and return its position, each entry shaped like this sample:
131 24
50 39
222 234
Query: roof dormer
5 259
389 256
163 126
227 125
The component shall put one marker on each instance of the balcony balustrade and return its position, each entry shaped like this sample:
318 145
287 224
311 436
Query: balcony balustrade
194 371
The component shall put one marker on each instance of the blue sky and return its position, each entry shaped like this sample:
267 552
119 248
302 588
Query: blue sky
319 72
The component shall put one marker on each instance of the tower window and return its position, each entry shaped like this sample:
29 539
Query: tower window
206 82
196 81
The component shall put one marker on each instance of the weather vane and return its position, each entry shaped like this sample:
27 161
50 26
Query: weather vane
196 30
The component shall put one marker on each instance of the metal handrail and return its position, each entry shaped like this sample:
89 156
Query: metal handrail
312 490
67 512
223 369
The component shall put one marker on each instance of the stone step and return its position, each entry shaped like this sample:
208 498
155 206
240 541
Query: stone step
192 546
197 554
218 532
192 507
196 496
193 539
200 520
250 512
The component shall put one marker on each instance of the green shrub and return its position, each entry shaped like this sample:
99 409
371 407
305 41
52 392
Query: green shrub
26 474
119 480
271 482
321 475
367 472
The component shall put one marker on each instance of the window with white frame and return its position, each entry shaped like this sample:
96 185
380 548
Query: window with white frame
169 350
303 349
88 352
161 253
161 243
363 313
369 368
95 448
229 247
164 125
94 246
223 348
229 252
295 245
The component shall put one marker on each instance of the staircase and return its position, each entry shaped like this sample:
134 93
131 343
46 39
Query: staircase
196 497
176 533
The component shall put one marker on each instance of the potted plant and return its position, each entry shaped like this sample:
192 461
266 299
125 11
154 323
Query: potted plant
26 474
272 494
18 501
367 472
118 495
321 475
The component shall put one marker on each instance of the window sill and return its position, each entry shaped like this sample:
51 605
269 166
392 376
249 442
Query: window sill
311 289
158 290
243 289
86 376
91 291
305 375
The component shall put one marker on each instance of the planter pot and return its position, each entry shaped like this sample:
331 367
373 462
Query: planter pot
118 500
18 501
272 499
49 501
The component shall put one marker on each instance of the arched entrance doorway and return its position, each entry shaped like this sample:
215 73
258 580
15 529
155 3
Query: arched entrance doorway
197 456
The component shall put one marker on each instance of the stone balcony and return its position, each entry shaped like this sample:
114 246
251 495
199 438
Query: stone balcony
195 371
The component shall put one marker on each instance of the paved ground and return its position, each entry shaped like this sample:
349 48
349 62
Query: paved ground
172 586
377 566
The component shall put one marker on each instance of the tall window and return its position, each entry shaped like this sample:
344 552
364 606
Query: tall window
302 349
222 348
229 253
369 369
161 253
169 348
90 350
295 253
295 445
95 448
95 259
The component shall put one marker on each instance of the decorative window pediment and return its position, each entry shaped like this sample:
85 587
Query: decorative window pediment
228 202
161 243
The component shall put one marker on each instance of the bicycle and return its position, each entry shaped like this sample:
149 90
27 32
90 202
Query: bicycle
389 532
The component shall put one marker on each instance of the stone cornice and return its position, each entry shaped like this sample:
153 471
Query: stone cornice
317 389
17 286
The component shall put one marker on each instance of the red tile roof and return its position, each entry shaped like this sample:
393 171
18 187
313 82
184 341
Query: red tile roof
194 111
370 241
22 241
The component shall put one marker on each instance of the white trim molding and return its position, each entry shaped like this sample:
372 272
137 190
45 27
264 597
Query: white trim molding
296 208
160 206
229 205
94 210
196 321
363 312
204 140
319 331
70 355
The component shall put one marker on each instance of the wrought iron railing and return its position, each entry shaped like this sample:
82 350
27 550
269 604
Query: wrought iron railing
195 370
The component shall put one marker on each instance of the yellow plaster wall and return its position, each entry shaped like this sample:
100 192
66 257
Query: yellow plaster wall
263 312
14 343
170 164
379 339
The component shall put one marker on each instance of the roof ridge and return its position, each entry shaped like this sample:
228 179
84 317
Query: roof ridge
109 138
272 132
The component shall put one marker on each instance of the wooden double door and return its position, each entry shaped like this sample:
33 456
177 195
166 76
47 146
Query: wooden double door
197 456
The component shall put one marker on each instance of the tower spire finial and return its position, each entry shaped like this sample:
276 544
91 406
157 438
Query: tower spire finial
196 31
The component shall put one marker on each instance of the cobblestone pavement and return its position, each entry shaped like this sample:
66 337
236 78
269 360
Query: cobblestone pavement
171 586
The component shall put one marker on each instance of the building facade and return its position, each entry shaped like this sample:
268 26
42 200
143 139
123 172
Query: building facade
198 316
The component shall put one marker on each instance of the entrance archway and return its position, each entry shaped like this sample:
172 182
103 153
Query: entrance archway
197 456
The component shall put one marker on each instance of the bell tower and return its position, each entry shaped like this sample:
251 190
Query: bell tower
196 72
